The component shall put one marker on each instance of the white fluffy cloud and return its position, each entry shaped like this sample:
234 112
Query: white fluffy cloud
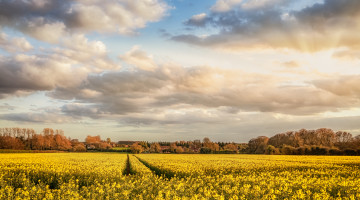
225 5
42 29
14 44
66 65
140 59
91 54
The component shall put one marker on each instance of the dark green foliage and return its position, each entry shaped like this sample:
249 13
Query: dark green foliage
205 150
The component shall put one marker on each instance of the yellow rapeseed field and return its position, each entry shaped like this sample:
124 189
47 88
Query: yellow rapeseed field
161 176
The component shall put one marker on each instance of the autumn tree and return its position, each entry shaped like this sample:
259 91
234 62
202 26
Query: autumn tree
145 145
80 147
179 149
8 142
62 143
23 138
37 142
209 146
92 139
173 147
231 147
258 145
136 148
326 137
48 135
77 146
343 139
96 142
155 148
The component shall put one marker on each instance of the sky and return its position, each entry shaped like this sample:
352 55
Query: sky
171 70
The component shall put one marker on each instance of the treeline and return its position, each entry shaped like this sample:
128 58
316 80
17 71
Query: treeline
28 139
196 146
48 139
322 141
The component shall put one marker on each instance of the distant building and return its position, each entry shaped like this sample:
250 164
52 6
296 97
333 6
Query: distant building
128 143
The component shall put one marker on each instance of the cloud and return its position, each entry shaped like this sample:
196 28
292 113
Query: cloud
116 92
177 117
6 107
36 117
140 59
240 127
171 87
81 51
290 64
344 86
77 110
270 125
164 33
224 5
347 54
41 115
228 5
264 4
14 44
272 24
49 20
33 73
66 65
42 29
197 20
